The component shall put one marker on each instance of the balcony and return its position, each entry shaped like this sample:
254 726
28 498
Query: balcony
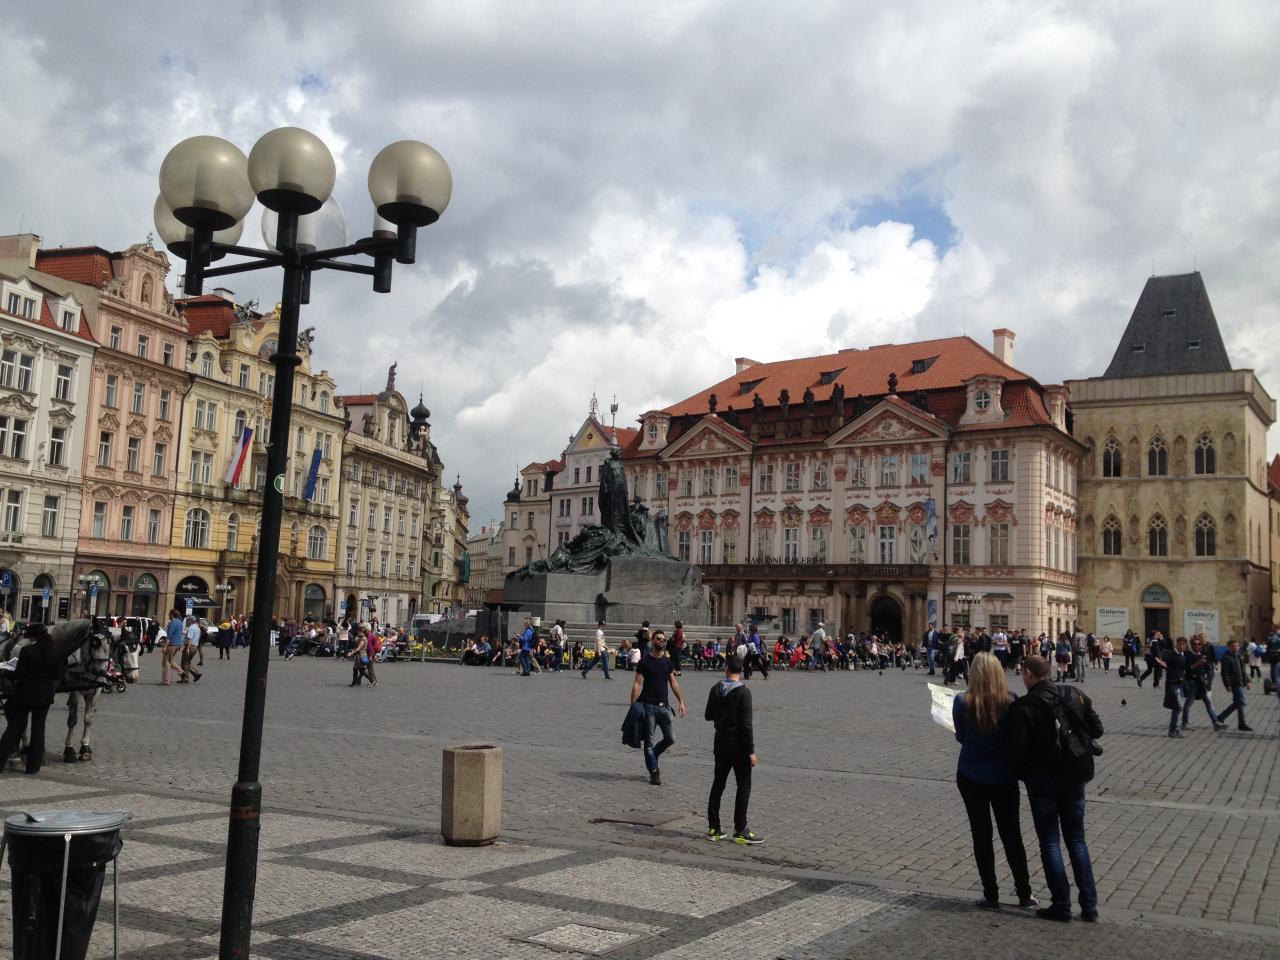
234 558
813 570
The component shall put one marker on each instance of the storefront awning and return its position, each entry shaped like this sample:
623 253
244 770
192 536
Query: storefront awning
198 601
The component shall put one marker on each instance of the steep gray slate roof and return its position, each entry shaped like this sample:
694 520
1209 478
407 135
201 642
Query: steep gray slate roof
1172 315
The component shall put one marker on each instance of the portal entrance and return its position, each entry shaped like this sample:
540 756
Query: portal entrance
886 617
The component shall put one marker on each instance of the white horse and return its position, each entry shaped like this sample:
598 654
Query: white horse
84 646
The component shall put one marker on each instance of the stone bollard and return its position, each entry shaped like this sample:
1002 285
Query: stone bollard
471 795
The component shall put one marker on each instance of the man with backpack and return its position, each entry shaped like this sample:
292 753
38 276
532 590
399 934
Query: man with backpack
1062 718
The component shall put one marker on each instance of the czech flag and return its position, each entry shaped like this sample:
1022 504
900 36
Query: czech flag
239 458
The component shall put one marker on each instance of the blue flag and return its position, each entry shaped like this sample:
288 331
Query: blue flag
310 492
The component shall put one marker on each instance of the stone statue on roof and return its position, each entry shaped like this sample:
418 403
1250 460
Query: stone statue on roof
837 395
784 401
712 402
808 402
757 407
391 378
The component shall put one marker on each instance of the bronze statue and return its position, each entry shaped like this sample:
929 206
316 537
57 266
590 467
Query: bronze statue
615 512
808 402
784 401
757 408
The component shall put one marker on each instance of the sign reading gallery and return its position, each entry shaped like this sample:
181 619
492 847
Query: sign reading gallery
1200 621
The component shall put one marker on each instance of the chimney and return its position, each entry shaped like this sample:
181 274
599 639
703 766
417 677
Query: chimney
741 363
1004 345
20 246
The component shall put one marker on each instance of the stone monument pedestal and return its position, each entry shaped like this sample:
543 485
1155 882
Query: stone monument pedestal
627 590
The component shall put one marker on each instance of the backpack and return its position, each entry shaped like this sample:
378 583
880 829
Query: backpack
1073 748
375 644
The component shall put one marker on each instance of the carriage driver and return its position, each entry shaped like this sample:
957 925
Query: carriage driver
34 680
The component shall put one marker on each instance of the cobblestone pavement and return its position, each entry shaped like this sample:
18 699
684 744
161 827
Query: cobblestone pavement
867 853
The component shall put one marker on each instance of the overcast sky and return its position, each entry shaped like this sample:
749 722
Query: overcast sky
643 192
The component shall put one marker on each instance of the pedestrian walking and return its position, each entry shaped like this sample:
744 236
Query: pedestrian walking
1051 747
1199 682
559 640
986 781
1236 679
930 644
361 667
734 748
1155 646
35 681
677 646
654 674
526 647
1062 656
190 647
170 646
602 654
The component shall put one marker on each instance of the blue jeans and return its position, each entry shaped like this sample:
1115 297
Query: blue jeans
657 716
1057 810
1237 707
1189 697
933 655
526 663
602 659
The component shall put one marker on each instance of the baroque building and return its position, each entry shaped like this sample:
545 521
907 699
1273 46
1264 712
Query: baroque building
132 416
449 564
1175 499
216 522
389 477
527 532
45 372
887 488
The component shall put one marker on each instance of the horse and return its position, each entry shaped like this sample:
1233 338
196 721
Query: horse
84 646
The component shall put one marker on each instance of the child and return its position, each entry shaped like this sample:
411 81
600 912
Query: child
729 708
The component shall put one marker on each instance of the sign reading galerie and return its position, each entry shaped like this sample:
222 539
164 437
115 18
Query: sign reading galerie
1201 621
1111 621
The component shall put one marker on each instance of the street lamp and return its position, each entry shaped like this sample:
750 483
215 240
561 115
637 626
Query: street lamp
223 589
207 186
968 599
89 585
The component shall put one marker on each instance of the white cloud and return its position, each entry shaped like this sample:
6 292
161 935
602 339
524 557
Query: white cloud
644 192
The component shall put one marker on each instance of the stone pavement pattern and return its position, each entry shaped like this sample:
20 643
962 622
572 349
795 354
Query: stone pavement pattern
867 840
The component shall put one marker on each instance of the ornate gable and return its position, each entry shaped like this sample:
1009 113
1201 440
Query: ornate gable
890 421
708 438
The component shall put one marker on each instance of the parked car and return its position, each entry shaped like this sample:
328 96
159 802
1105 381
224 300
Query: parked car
138 626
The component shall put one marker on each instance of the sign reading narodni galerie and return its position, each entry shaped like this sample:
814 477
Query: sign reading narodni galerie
1111 621
1200 621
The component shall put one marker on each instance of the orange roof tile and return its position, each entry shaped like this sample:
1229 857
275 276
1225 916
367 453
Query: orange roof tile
1273 472
46 318
92 266
358 399
208 314
950 361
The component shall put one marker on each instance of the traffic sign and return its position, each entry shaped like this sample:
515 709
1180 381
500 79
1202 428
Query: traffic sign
46 593
342 604
6 580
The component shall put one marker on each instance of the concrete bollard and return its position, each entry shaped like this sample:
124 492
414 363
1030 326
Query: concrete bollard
471 795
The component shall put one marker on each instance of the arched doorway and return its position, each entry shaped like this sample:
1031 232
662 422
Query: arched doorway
886 617
352 609
146 590
1156 603
42 607
313 601
193 592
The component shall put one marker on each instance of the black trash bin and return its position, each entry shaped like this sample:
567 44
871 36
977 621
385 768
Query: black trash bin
57 862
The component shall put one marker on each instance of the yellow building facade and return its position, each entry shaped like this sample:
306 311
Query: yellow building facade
216 523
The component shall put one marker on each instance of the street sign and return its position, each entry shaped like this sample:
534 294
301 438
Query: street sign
6 580
190 607
93 591
342 605
46 593
278 483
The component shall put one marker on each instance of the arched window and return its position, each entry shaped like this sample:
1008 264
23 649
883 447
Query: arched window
1111 458
1112 537
197 534
1206 462
206 365
241 419
1157 457
324 402
1157 537
1206 536
317 542
233 531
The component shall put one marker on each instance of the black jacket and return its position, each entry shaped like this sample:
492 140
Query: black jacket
1233 670
1032 736
36 678
730 710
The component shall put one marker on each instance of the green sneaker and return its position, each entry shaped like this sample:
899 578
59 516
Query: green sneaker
715 833
747 838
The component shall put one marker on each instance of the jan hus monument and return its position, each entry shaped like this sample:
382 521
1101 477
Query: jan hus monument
618 570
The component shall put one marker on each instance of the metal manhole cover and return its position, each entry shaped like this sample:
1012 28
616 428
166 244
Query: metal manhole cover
583 938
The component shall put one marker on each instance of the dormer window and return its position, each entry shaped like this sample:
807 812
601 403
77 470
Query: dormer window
982 400
829 377
1139 348
653 431
1168 313
69 320
1193 343
922 364
748 386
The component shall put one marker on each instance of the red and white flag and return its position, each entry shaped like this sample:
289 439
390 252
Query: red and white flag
239 458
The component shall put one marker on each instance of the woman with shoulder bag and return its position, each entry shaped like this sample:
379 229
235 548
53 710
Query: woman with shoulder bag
986 780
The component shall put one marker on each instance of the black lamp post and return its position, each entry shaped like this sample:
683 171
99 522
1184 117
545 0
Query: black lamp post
207 186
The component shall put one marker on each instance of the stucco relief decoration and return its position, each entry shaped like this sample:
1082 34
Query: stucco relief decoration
108 420
937 467
707 520
916 513
888 512
18 342
137 426
671 483
887 426
857 515
14 401
792 516
729 519
1000 512
61 418
841 473
765 518
961 512
819 517
710 443
163 433
684 520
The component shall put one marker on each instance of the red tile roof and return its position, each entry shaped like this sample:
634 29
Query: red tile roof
46 318
357 399
860 372
208 314
1273 472
92 266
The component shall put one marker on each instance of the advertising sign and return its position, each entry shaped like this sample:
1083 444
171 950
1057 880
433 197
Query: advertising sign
1111 621
1201 621
942 700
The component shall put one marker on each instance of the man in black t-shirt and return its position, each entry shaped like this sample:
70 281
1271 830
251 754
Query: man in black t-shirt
654 673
